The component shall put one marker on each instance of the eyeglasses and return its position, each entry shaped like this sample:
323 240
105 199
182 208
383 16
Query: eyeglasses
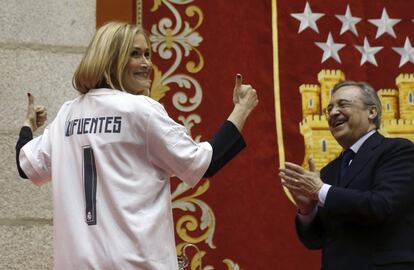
342 105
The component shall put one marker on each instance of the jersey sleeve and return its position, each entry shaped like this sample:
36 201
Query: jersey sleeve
35 159
171 148
226 144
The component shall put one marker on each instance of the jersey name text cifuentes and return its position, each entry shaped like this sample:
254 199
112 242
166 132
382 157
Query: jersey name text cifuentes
104 124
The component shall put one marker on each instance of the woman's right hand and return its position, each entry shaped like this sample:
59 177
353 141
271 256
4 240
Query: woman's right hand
35 116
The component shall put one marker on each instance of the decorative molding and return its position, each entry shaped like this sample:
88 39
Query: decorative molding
26 221
138 12
42 47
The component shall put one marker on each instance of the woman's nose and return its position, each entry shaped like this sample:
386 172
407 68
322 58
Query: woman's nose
146 62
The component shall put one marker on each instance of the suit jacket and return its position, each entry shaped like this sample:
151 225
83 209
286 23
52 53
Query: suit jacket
367 221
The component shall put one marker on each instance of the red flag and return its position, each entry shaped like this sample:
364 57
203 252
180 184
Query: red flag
319 45
292 52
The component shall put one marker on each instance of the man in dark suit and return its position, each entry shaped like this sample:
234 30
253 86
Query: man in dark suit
360 209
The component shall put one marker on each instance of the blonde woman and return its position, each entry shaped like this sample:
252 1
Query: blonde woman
110 153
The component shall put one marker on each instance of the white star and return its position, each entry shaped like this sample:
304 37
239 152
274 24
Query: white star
368 52
385 24
307 19
406 52
348 22
330 49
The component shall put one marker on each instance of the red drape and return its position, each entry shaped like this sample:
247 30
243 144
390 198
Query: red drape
291 52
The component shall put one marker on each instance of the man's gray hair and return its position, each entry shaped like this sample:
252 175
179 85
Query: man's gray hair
369 96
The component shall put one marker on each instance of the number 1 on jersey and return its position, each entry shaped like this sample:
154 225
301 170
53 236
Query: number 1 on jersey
89 182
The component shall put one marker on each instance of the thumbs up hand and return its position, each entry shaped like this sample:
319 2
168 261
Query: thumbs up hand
244 99
244 94
35 116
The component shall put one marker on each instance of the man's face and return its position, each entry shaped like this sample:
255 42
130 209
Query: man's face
348 117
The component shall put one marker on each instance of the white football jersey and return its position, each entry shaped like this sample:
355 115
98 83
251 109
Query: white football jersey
109 155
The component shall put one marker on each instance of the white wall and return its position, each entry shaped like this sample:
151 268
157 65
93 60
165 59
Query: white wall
41 43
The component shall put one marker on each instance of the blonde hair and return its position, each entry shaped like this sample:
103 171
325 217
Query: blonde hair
106 57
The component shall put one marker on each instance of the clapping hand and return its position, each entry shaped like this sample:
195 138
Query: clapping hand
300 181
